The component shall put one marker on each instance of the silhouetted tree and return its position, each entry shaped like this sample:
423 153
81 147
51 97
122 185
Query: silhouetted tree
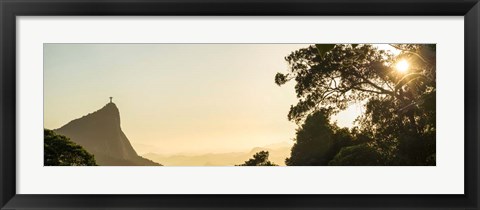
399 122
61 151
318 141
259 159
357 155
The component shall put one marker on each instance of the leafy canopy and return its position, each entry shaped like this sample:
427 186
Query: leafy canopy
61 151
317 141
398 125
259 159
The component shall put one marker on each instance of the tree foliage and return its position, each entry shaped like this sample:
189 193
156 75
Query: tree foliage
398 127
61 151
357 155
259 159
317 141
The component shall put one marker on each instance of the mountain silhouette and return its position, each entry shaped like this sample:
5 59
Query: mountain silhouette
100 134
278 153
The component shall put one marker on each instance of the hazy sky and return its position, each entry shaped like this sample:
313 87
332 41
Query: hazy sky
177 98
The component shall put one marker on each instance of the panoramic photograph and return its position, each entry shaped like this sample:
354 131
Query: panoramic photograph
309 104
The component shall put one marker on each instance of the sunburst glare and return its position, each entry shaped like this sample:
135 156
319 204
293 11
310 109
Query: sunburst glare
402 66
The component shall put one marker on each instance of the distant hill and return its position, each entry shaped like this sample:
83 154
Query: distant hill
278 153
100 134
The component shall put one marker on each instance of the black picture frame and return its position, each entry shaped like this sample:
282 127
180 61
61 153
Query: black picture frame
10 9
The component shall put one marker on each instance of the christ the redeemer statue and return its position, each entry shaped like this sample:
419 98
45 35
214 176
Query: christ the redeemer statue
111 99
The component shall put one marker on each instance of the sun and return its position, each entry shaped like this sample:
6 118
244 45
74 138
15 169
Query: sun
402 66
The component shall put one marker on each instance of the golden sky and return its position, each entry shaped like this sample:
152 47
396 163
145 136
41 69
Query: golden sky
177 98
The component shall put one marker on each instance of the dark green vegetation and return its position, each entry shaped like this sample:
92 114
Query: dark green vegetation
259 159
398 125
61 151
